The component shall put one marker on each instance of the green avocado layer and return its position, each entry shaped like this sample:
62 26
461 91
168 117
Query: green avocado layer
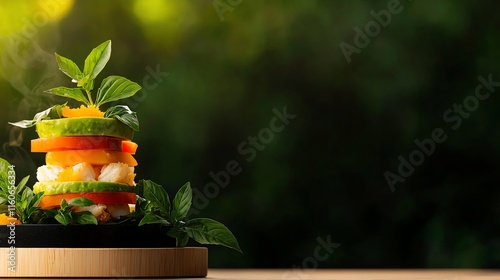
50 188
84 126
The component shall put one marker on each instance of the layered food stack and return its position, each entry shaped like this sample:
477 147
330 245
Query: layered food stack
89 156
89 171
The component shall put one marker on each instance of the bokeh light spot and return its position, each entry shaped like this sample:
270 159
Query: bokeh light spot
153 11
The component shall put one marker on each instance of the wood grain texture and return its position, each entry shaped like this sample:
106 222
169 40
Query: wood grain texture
107 262
353 274
338 274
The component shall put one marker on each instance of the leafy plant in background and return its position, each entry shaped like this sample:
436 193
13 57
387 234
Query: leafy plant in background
112 88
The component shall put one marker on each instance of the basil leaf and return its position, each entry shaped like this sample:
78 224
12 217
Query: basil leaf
68 67
208 231
97 59
130 120
4 181
4 166
4 190
64 204
124 115
182 202
80 201
37 198
26 193
142 206
117 111
180 235
152 218
22 203
74 93
63 218
22 185
26 201
24 123
158 197
31 207
83 83
115 88
54 112
85 218
182 240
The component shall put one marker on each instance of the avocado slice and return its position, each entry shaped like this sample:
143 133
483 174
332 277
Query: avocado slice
84 126
50 188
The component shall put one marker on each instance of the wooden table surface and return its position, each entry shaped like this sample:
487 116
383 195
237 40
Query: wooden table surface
341 274
358 274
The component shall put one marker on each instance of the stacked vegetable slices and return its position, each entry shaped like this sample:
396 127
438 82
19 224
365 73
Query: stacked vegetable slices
89 157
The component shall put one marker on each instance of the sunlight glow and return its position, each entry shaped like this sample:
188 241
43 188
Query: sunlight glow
27 16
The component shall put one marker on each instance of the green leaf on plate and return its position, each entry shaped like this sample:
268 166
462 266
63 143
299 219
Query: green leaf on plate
64 204
80 201
63 218
208 231
158 197
54 112
124 115
152 218
180 235
142 206
182 202
85 218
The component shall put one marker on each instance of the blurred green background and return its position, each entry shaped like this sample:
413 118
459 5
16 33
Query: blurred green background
223 66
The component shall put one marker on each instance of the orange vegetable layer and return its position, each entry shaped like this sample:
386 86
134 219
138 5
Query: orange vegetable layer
65 143
94 157
52 201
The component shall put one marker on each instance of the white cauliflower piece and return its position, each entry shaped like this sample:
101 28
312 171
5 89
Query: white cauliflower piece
48 173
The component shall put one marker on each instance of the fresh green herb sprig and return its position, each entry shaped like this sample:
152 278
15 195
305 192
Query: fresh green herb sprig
27 204
54 112
66 215
22 197
156 208
112 88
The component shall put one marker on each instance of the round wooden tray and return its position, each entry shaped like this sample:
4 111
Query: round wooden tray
118 251
106 262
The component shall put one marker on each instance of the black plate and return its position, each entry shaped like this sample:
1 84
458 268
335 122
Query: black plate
86 236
